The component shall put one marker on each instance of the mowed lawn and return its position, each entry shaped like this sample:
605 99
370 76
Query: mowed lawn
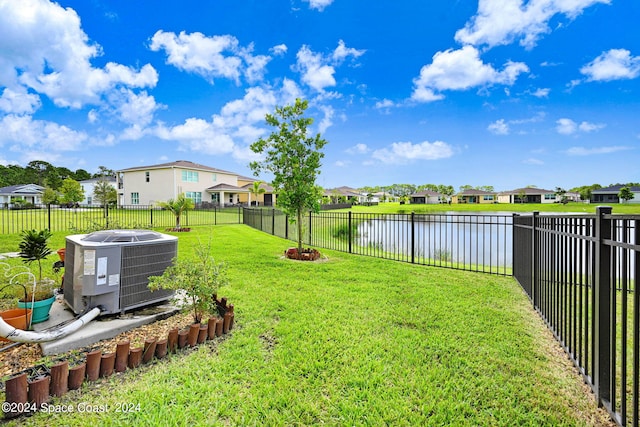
350 340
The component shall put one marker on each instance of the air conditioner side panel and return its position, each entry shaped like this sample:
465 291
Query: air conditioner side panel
139 262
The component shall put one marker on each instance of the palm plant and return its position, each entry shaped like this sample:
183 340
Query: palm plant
177 206
256 190
34 246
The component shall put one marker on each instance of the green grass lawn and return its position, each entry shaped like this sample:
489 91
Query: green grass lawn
350 340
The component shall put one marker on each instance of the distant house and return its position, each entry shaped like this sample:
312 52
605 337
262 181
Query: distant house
147 185
264 199
26 193
426 197
528 195
349 194
472 196
610 194
88 185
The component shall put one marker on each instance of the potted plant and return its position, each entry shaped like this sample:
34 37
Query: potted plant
34 246
9 294
196 280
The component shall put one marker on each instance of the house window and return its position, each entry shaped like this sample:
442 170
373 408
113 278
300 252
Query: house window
189 176
135 198
487 197
196 196
549 196
214 176
146 176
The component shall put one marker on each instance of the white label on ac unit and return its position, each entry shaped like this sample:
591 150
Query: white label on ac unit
102 271
89 262
114 279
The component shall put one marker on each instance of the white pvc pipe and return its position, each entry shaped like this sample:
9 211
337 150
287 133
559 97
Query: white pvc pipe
18 335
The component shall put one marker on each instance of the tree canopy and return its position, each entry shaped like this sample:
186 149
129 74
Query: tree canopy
294 158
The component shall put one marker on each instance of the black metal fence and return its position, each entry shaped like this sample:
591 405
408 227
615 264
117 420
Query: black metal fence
580 273
83 218
471 242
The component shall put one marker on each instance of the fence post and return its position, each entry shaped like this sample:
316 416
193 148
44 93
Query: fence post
261 226
310 213
535 259
350 232
286 226
49 216
273 222
239 212
413 237
151 215
602 310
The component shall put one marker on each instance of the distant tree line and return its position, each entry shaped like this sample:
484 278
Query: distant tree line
45 174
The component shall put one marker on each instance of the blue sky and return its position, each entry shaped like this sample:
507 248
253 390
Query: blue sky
507 93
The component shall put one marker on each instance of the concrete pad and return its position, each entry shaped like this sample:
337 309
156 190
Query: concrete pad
102 328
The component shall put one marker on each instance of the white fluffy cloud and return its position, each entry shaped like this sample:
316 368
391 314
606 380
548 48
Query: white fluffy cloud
317 70
22 134
19 102
582 151
460 70
319 4
239 123
44 49
567 126
504 21
615 64
403 152
499 127
210 57
541 92
359 148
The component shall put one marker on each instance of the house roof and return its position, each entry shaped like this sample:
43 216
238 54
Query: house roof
427 193
529 191
343 191
102 178
267 187
183 164
615 189
227 187
474 192
22 189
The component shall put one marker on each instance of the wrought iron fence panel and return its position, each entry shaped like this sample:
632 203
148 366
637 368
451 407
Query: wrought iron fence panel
580 273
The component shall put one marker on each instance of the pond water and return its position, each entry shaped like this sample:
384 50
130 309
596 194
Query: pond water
470 238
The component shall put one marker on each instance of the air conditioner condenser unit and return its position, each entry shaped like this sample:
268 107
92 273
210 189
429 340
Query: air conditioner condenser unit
111 268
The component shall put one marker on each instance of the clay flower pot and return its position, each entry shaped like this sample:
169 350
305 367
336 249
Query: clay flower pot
149 350
16 392
122 356
93 365
59 378
161 348
192 338
107 363
76 376
135 357
172 340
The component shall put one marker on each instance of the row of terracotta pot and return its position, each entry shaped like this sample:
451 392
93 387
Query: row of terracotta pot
25 395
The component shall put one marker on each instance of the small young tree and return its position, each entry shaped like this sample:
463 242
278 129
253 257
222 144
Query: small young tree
625 194
71 191
49 196
293 157
105 193
177 207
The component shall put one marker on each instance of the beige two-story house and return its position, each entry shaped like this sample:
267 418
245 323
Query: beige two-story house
205 185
